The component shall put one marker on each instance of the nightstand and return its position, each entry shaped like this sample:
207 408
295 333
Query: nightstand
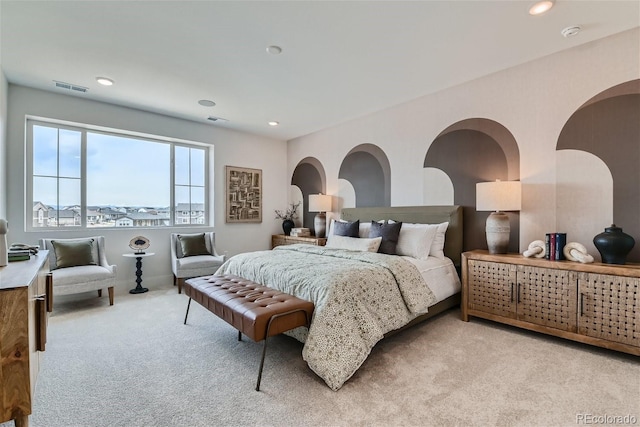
595 304
282 239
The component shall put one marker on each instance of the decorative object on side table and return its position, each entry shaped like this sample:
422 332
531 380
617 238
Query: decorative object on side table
288 216
574 251
536 249
320 203
139 244
614 245
498 196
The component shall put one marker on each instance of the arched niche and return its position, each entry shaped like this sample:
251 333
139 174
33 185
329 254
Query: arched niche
310 178
367 168
608 127
471 151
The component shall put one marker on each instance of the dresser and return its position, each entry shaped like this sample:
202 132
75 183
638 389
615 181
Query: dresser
283 239
25 300
597 304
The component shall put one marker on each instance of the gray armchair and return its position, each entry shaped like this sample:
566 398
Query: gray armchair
193 255
80 265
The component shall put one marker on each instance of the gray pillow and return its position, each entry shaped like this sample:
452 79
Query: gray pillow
389 234
73 253
349 229
193 244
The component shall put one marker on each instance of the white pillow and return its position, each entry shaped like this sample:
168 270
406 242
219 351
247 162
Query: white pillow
415 239
437 246
354 243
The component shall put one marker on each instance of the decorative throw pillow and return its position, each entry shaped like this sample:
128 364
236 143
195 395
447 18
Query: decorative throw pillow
354 243
415 240
437 246
349 229
72 253
389 234
193 244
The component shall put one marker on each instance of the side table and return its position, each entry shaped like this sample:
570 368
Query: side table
138 256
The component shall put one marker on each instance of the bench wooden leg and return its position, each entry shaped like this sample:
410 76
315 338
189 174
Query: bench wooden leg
187 313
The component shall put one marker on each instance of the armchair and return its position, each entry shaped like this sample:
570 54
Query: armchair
80 265
193 255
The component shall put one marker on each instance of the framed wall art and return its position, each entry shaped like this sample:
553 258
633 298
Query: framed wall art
243 194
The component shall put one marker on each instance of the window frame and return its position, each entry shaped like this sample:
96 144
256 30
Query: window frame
31 121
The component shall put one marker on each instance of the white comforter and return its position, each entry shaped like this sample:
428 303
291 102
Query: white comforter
358 297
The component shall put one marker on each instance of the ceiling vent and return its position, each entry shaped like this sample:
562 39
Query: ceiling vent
70 86
217 119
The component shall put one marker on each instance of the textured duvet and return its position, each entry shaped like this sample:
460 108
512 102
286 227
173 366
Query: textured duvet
358 297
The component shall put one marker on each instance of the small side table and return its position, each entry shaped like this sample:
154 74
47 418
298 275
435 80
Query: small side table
138 256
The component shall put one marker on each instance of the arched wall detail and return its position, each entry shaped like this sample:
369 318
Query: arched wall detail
607 127
309 176
368 170
471 151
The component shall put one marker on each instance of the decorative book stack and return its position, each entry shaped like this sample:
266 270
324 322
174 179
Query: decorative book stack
300 232
554 246
18 255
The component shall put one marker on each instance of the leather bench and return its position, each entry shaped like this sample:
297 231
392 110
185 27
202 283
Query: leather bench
254 310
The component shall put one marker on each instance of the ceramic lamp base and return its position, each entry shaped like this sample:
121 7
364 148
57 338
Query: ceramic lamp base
498 230
320 224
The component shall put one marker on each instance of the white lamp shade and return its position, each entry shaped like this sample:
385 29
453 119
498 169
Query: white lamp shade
498 196
319 203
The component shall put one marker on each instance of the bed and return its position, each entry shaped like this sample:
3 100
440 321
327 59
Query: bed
361 296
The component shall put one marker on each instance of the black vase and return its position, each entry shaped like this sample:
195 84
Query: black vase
287 225
614 245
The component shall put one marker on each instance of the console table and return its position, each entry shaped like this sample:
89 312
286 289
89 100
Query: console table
597 304
26 298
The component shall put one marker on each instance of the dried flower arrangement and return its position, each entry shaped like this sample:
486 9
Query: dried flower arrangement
290 214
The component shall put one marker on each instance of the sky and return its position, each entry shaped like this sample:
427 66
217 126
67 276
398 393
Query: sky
121 171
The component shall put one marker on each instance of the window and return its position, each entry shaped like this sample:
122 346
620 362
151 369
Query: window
83 177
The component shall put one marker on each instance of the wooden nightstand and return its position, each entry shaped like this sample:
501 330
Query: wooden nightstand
282 239
597 304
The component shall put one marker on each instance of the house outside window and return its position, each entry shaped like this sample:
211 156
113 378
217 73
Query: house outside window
82 177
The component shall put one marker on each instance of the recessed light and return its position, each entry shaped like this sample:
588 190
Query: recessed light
206 103
273 123
541 7
104 81
274 50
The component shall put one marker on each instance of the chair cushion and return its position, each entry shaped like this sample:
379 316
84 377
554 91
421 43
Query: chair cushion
72 253
80 274
199 261
193 244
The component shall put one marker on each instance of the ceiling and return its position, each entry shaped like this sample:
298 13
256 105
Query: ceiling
340 59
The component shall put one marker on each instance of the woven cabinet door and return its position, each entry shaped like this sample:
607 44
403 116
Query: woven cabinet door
492 287
609 307
547 297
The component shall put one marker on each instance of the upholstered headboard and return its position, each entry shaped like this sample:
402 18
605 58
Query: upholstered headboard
420 215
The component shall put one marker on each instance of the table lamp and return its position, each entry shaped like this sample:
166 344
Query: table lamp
320 203
498 196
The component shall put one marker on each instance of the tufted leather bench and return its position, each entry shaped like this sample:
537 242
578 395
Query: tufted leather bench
257 311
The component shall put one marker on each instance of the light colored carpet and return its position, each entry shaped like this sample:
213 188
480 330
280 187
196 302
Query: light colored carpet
136 364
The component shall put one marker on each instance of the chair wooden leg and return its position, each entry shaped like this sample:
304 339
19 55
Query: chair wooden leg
110 295
175 280
99 293
180 283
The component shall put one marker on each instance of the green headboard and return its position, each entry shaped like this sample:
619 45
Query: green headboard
420 215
